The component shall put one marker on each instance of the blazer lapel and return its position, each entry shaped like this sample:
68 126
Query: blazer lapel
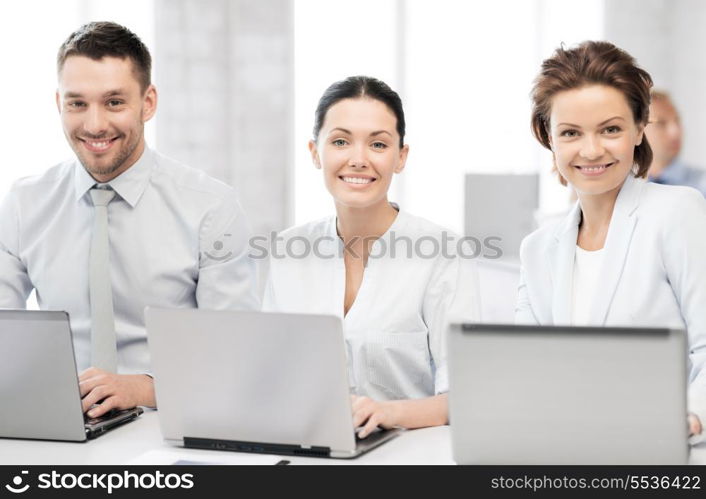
562 267
617 244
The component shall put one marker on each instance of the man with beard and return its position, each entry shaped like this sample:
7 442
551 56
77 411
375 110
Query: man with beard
121 227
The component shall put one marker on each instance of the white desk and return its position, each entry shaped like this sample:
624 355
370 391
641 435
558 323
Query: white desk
122 445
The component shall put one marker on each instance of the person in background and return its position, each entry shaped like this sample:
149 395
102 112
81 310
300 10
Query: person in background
665 133
120 227
630 253
385 272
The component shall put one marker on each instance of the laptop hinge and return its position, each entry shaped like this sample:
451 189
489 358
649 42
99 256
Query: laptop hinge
258 447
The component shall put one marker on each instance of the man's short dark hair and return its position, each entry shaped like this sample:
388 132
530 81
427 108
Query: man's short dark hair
106 39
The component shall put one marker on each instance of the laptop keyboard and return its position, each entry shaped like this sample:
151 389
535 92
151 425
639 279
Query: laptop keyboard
108 415
375 435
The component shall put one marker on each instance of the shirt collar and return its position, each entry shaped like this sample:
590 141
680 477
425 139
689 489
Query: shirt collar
129 185
675 173
398 222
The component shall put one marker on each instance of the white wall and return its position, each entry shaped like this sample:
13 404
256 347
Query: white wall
225 76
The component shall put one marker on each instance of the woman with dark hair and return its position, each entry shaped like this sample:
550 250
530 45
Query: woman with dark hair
392 277
630 253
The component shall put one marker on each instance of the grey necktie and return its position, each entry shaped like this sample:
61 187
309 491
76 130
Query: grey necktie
104 353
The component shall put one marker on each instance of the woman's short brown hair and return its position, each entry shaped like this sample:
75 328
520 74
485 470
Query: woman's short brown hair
593 63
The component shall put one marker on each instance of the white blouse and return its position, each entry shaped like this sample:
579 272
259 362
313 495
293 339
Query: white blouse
395 330
587 268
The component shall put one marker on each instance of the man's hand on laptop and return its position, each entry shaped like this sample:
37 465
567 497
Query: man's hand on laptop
114 391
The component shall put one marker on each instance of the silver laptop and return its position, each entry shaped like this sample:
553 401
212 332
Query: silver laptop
567 395
254 382
39 393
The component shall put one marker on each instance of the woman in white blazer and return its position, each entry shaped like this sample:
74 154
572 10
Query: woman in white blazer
630 253
392 277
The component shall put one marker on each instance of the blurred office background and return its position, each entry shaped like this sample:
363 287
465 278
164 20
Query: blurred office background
239 80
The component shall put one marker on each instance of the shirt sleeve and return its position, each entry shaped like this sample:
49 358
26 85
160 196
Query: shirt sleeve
452 296
15 285
684 250
228 274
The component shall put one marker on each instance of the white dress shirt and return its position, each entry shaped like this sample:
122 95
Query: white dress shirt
652 274
178 238
395 330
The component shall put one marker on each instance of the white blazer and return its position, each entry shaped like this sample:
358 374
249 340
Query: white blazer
653 271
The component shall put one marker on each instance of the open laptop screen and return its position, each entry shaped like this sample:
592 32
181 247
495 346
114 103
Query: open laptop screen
567 395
